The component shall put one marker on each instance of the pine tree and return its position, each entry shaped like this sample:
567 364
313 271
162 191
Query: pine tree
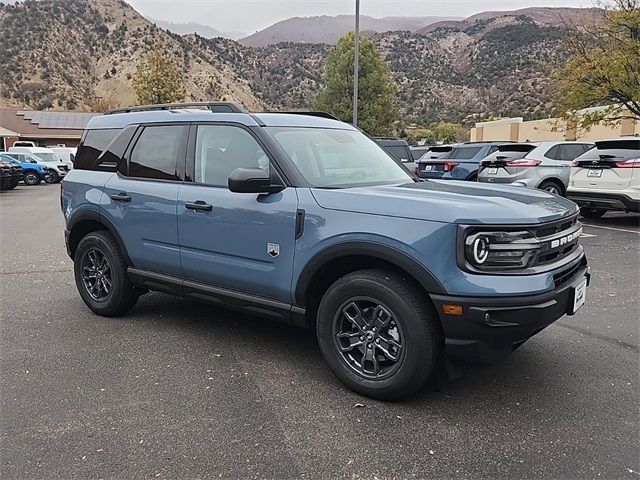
377 109
158 78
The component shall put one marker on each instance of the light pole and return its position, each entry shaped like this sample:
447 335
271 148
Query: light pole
356 66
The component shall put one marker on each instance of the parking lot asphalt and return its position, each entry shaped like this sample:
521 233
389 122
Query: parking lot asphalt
183 390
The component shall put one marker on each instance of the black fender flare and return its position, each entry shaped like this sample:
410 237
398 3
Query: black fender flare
371 249
96 216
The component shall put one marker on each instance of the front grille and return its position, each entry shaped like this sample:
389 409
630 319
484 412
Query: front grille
558 240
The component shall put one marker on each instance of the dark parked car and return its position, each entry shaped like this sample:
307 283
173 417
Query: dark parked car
399 149
418 152
10 175
458 162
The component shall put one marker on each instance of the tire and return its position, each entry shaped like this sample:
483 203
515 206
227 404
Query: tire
52 177
13 184
411 322
594 213
552 187
31 178
93 250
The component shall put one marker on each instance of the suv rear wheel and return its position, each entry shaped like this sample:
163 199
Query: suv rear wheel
378 334
101 275
552 186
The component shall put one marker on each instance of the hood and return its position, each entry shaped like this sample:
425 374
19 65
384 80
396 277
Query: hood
450 202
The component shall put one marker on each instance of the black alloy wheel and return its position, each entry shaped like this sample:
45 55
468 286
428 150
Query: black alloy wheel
96 275
369 338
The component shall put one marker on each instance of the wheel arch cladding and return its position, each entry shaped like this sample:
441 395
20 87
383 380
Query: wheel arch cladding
338 260
88 221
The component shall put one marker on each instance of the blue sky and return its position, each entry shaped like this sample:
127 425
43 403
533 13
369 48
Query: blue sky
252 15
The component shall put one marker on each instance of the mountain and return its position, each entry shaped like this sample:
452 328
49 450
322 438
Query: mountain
192 27
325 29
544 16
81 53
77 53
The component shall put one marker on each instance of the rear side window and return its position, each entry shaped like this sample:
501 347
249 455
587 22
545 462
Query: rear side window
157 152
94 143
571 151
553 153
399 152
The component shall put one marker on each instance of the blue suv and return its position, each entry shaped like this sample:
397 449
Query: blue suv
458 162
33 173
306 220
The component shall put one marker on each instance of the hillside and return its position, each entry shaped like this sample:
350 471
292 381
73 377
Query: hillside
325 29
81 51
72 53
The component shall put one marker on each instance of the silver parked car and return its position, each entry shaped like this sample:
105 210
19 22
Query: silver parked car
544 165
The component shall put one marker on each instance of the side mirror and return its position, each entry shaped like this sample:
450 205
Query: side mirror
252 180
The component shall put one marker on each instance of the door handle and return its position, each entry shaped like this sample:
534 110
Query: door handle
199 205
121 197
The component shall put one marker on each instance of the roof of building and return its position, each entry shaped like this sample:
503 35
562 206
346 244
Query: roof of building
44 124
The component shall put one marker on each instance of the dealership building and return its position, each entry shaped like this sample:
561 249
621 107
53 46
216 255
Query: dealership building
45 128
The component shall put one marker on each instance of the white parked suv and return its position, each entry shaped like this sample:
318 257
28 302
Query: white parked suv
607 178
543 165
48 158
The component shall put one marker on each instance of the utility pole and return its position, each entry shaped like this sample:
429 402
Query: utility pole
356 66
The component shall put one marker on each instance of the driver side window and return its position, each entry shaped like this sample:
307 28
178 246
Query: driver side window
220 149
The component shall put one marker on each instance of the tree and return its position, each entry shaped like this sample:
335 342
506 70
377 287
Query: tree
158 78
605 68
377 109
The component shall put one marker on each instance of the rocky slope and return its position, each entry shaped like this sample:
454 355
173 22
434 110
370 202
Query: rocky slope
79 53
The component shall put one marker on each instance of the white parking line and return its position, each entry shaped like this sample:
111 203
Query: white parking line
611 228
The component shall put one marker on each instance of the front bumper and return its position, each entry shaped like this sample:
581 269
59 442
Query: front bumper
491 328
605 200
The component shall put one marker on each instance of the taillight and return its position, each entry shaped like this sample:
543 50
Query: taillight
523 163
448 166
633 163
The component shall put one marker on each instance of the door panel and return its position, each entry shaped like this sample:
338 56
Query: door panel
237 241
229 246
141 200
147 223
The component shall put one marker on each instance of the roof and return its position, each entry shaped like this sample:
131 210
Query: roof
45 124
121 120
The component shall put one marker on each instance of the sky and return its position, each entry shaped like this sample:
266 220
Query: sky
250 16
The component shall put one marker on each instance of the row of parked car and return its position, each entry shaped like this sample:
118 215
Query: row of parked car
24 162
599 176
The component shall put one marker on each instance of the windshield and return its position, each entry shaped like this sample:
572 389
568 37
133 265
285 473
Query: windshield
47 157
338 158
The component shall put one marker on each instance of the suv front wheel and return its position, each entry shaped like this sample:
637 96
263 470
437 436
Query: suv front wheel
101 275
379 334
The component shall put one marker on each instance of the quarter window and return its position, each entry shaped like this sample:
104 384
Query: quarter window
220 149
571 151
156 153
95 142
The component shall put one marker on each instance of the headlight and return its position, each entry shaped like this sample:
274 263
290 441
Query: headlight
487 250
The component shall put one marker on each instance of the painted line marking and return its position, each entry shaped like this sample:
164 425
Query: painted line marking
611 228
587 235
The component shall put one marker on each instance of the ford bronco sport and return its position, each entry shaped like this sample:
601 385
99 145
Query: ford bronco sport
304 219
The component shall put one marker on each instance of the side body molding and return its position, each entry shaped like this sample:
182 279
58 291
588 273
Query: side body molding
370 249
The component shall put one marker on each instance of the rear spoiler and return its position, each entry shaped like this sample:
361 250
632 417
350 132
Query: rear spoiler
516 147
